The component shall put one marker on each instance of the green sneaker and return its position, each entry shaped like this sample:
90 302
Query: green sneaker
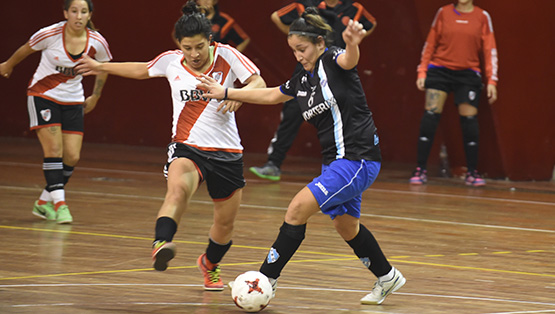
45 211
63 216
269 171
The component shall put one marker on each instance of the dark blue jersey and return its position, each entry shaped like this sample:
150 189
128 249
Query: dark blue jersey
332 99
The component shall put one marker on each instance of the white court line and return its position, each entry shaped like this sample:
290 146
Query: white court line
505 200
293 288
157 198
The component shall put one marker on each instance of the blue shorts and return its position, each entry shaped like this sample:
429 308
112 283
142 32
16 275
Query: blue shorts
338 190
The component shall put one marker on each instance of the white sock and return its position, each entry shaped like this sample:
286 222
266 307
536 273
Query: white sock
45 196
388 276
58 196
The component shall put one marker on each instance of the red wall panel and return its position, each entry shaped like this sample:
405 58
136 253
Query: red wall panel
517 132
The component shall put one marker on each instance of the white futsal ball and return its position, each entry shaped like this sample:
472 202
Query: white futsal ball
251 291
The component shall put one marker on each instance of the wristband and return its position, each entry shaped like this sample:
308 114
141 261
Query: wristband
225 95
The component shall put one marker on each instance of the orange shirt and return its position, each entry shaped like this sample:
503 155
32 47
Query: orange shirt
456 41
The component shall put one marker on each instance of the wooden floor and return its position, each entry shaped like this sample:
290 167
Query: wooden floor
462 250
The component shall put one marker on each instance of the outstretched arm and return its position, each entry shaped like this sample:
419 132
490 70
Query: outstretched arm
262 96
6 68
352 35
254 81
134 70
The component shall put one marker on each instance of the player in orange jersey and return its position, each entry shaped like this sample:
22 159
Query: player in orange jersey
56 101
205 145
460 35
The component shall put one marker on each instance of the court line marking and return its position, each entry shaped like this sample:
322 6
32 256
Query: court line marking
303 184
157 198
282 287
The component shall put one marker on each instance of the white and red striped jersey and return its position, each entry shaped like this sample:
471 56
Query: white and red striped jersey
195 119
55 77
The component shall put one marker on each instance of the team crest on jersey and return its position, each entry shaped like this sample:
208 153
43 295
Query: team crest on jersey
303 79
46 114
471 95
218 76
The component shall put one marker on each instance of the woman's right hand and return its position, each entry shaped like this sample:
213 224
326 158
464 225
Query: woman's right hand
420 83
5 70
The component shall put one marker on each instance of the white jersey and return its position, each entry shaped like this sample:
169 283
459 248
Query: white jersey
195 119
55 77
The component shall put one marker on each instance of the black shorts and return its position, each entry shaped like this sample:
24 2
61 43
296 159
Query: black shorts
223 177
45 113
466 85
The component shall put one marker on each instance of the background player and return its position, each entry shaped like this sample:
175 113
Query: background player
56 101
461 34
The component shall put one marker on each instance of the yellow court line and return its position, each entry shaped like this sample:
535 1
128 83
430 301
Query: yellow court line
346 257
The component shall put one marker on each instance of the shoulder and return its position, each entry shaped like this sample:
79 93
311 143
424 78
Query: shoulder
47 32
96 36
169 56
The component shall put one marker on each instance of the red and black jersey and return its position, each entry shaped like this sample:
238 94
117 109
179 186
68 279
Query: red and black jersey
337 17
458 39
226 30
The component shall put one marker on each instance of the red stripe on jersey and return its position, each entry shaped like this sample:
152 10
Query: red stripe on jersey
103 42
246 62
34 40
189 116
47 83
153 61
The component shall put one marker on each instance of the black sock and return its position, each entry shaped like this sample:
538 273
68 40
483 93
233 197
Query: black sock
368 251
215 252
428 126
53 173
288 241
165 229
68 171
471 139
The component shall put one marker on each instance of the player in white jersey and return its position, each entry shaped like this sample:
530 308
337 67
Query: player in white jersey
205 141
56 100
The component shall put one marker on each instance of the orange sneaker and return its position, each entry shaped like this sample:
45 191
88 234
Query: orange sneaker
162 253
212 280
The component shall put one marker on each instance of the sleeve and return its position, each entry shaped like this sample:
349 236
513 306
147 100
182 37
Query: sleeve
287 88
290 13
489 50
430 44
364 17
102 49
158 66
241 66
42 38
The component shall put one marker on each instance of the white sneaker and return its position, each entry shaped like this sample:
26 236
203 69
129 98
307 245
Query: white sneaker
382 289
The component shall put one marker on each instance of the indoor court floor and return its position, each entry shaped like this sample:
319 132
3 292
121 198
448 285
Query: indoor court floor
462 250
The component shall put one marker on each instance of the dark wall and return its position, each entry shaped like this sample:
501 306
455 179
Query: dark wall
517 132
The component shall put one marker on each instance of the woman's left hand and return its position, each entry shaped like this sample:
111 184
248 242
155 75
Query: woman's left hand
90 103
212 88
229 106
354 33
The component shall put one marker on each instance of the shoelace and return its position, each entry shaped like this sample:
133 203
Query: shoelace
214 275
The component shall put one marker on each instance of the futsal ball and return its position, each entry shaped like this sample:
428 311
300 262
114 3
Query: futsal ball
251 291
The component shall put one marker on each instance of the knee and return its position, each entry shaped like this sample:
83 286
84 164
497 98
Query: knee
178 192
71 158
296 214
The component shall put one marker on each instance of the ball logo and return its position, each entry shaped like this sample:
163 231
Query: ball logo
253 286
46 114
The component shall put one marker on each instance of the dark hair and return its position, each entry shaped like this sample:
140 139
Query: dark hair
311 25
90 24
192 22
